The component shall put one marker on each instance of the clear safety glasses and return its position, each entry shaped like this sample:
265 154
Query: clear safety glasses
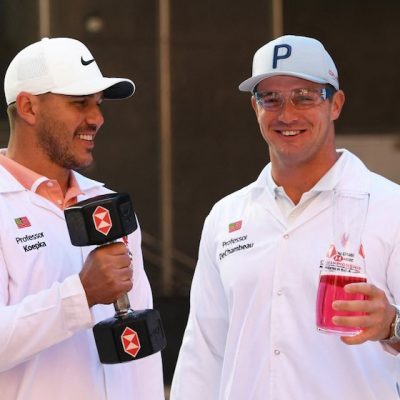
301 99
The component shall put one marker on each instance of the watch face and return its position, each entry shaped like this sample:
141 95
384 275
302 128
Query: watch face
397 324
397 328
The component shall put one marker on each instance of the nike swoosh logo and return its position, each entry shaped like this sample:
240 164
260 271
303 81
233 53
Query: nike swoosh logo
84 62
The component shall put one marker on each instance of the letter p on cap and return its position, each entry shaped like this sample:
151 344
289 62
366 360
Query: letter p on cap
282 56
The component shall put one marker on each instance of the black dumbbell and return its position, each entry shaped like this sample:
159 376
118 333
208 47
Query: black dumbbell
129 335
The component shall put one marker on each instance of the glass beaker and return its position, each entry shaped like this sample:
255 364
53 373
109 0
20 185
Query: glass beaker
344 262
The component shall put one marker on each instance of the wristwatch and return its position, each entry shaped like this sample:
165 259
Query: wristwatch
394 336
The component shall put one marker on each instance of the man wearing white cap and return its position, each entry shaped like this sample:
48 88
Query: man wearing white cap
52 293
251 332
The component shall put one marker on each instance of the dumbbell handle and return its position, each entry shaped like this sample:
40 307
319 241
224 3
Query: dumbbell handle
122 306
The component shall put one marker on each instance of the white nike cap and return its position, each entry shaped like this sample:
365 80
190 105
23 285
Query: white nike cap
61 66
298 56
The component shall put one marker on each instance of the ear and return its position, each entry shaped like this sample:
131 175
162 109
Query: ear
254 105
27 107
337 104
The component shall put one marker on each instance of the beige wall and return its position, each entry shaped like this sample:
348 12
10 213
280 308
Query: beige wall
380 152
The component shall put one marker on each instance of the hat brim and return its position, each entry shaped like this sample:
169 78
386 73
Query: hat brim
249 84
112 88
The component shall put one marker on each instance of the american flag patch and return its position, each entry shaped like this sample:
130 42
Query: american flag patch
22 222
235 226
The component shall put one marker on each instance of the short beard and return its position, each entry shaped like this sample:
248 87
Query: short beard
54 147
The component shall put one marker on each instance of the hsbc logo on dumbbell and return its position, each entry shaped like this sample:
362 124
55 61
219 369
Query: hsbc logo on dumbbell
130 342
102 220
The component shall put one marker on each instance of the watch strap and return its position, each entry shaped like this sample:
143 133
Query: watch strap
394 336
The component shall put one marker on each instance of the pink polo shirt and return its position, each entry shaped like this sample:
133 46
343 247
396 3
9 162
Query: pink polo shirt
48 188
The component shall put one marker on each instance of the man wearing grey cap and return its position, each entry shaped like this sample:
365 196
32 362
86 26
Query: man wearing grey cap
52 293
251 332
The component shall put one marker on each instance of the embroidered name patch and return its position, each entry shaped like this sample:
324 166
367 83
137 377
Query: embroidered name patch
25 241
234 245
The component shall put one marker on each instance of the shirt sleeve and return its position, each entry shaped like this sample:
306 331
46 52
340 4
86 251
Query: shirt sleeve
393 282
148 370
140 297
41 320
199 366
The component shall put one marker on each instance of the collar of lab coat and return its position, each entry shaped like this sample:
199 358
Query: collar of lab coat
9 184
348 173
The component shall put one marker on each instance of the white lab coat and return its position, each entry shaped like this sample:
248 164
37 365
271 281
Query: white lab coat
47 348
251 333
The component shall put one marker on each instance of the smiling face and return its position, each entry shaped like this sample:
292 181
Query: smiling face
298 137
66 128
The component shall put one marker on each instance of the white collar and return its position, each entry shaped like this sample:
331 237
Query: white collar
327 181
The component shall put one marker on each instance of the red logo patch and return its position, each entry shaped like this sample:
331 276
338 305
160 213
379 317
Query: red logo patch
22 222
235 226
130 341
102 220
